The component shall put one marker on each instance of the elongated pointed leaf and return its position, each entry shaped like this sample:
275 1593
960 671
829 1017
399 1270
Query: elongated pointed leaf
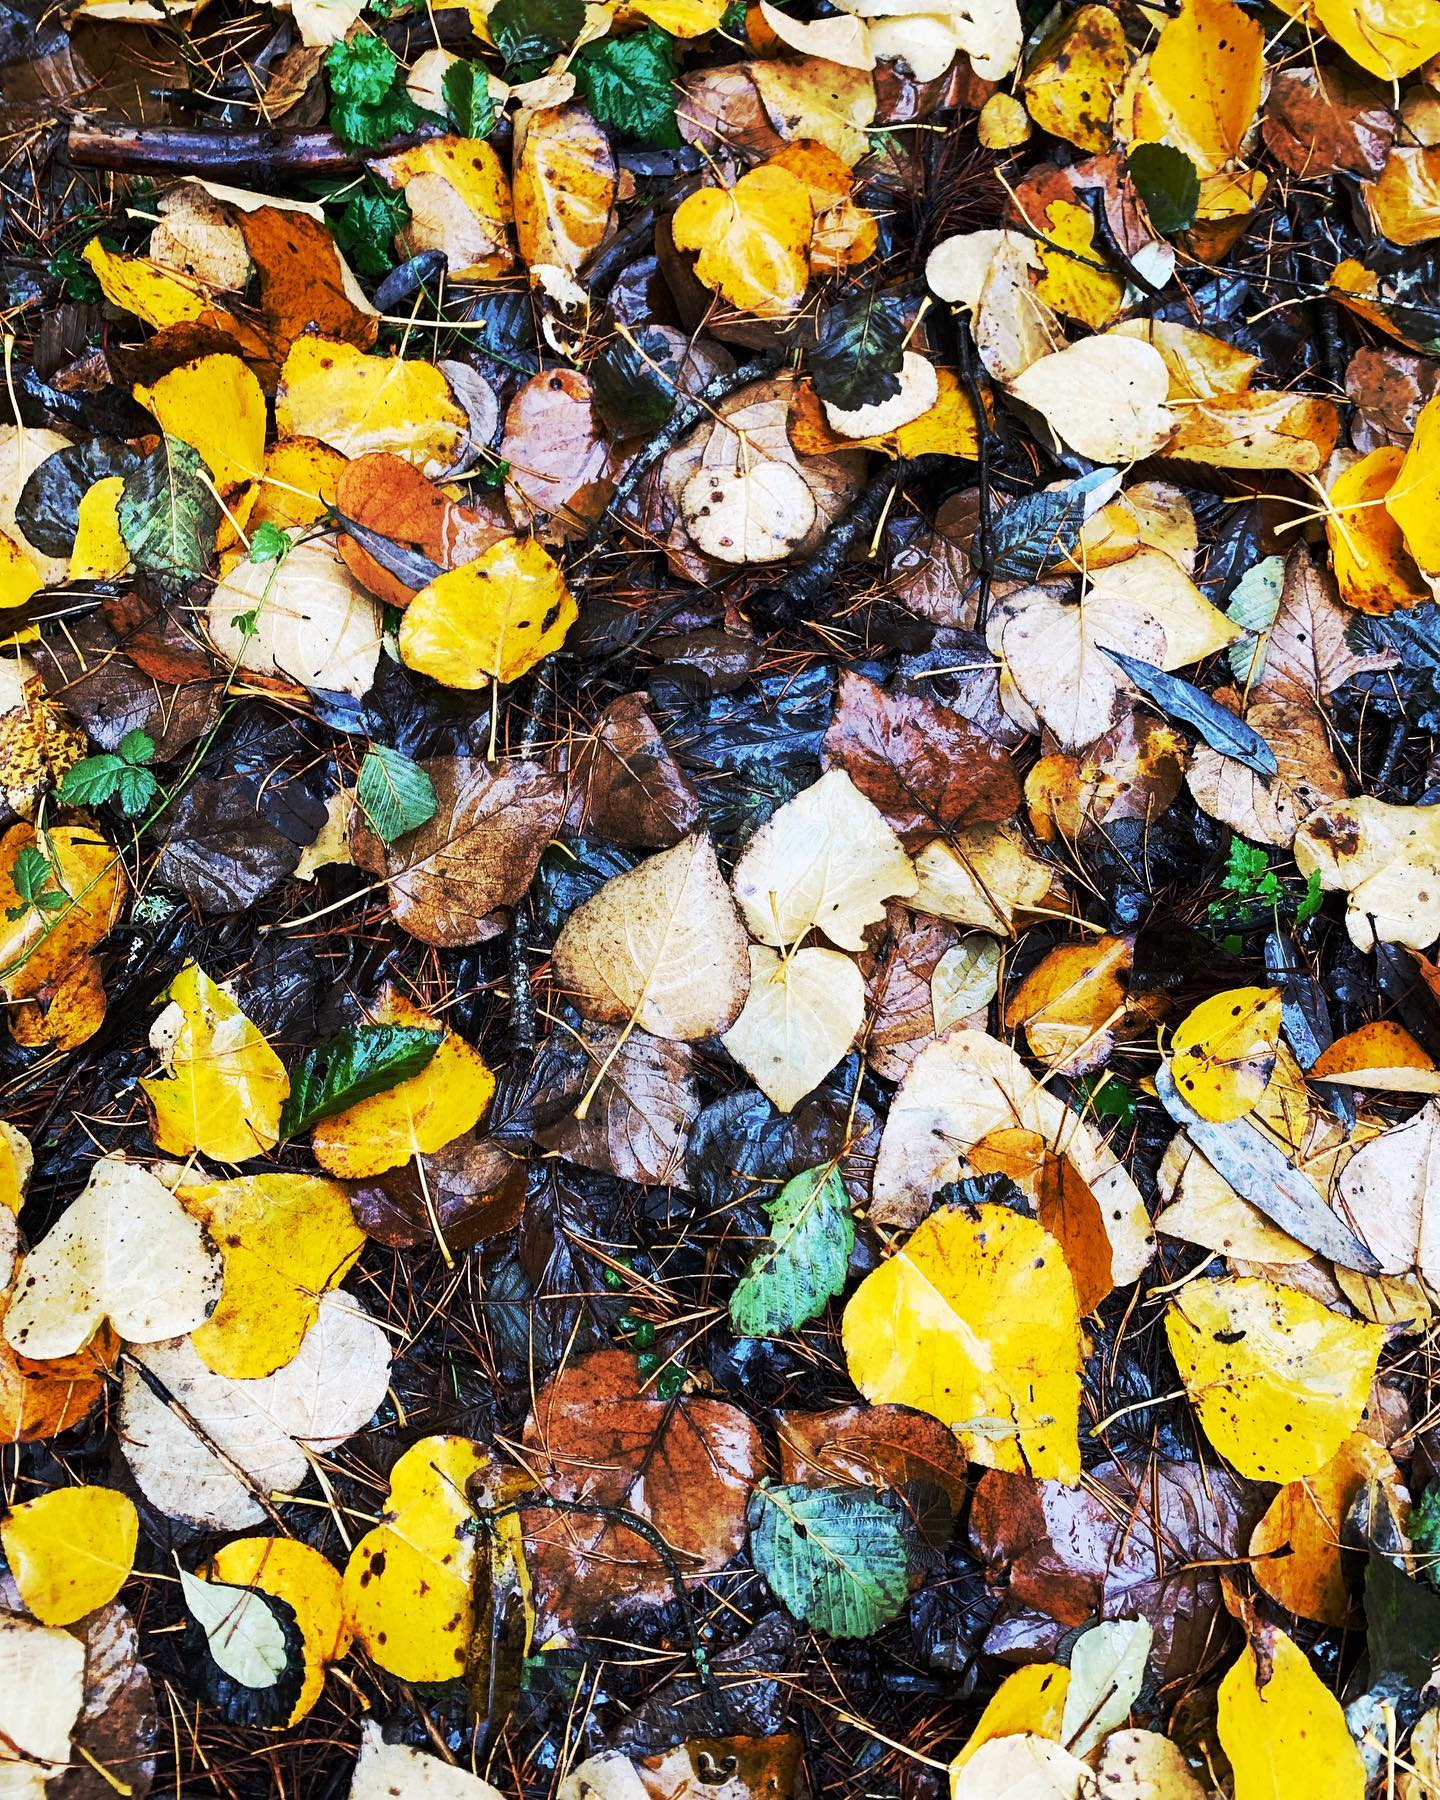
834 1556
803 1264
1179 700
351 1067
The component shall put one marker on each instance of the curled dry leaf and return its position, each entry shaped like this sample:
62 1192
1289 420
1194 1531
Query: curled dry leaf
596 1435
660 947
309 1584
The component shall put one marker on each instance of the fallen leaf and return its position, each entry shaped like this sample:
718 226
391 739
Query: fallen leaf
1282 1728
491 619
892 1448
986 876
471 1190
213 404
1380 1055
384 1770
196 237
1143 1765
1386 1189
1257 430
565 186
305 283
1390 38
625 784
813 98
42 1673
753 240
390 496
835 1557
1072 78
1278 1380
304 617
1107 1671
459 200
1055 655
40 1399
1199 88
361 404
1073 1002
561 467
1029 1701
1296 1549
1023 1765
637 1124
1374 570
70 1550
1222 1053
308 1583
802 1013
1102 396
1385 860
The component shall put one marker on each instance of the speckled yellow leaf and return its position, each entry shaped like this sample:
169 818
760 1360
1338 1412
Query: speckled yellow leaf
100 553
1283 1729
974 1320
285 1240
1413 501
136 285
425 1113
70 1550
1076 283
1279 1381
19 576
297 485
1199 89
490 619
1296 1547
753 240
682 18
1223 1052
1387 37
359 404
38 950
565 185
1072 79
223 1085
1031 1700
408 1583
213 404
1375 571
459 200
293 1572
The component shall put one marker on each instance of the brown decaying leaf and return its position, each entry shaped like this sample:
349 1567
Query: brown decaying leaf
391 496
303 281
476 854
625 785
1325 121
561 465
886 1447
471 1190
637 1125
925 767
598 1435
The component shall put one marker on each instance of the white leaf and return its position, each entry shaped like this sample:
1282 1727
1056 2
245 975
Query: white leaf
312 620
1107 1671
1142 1765
759 512
842 39
392 1771
827 860
919 390
1390 1193
801 1017
986 876
1102 396
1023 1767
246 1639
125 1250
42 1685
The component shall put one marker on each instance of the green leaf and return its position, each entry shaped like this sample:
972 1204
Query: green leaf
857 359
268 543
369 127
527 31
1311 900
362 70
629 85
633 390
169 513
803 1265
37 884
1106 1096
395 794
1253 606
1167 181
351 1067
1423 1528
96 779
136 746
367 225
466 87
834 1556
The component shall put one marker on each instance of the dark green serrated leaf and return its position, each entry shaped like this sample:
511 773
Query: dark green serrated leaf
35 881
395 794
835 1557
268 543
365 229
633 390
169 513
1169 184
48 510
802 1266
362 69
857 359
466 87
529 31
136 746
352 1066
629 85
368 127
1423 1528
1039 531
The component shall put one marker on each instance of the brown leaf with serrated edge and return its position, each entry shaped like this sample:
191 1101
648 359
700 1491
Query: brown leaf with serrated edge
637 1125
926 768
626 787
598 1436
477 853
391 496
115 1736
472 1189
303 285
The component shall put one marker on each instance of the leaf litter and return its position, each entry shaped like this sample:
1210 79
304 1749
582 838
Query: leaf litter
720 890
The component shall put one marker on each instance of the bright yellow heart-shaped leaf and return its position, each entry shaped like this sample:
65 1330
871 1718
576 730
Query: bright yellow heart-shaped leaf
359 404
490 619
753 239
213 404
1223 1052
70 1550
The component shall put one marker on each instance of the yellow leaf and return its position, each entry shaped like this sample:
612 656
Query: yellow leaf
1257 430
1388 37
974 1320
1279 1381
1003 123
1283 1729
1386 859
70 1550
1073 77
753 240
223 1086
490 619
1375 571
100 553
408 1583
359 404
844 234
293 1572
1200 367
565 185
285 1240
682 18
817 99
136 285
1031 1700
19 576
1404 199
947 428
297 485
37 951
1296 1547
1199 89
459 200
1413 501
1072 1003
213 404
1223 1052
425 1113
1075 282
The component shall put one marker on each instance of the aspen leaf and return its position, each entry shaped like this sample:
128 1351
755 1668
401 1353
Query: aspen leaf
1386 861
1199 89
1103 396
661 946
125 1250
565 186
1072 1003
1375 571
308 1583
756 513
825 861
385 1770
39 1400
285 1240
459 202
919 390
1222 1053
800 1017
1055 654
974 1321
753 240
264 1429
1030 1701
1107 1671
1282 1728
1257 430
213 404
154 294
408 1582
1296 1548
1143 1765
223 1086
42 1688
1279 1381
70 1550
1390 38
1389 1190
359 404
305 617
986 876
100 552
41 947
1381 1055
1071 80
244 1635
1028 1768
489 620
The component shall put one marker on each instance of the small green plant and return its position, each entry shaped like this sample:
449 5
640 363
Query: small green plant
1424 1531
35 880
119 774
77 279
1106 1096
368 101
1253 890
366 226
268 543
